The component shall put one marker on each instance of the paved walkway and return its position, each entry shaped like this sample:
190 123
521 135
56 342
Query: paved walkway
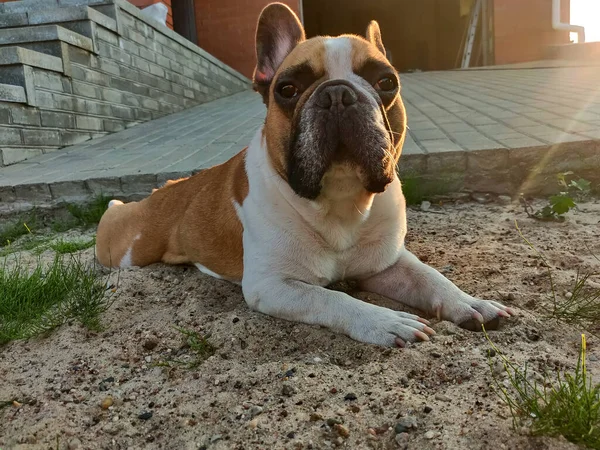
453 117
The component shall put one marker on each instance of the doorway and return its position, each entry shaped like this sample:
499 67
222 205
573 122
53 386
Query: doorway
417 34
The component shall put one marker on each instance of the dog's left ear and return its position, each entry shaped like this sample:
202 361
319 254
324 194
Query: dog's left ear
374 36
278 32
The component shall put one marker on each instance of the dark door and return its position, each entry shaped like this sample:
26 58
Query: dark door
184 19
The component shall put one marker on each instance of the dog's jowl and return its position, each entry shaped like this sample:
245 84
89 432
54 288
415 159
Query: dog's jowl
314 199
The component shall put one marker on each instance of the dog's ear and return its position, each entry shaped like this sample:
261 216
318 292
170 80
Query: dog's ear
278 31
374 36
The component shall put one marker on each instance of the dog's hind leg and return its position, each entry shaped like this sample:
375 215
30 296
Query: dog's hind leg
119 229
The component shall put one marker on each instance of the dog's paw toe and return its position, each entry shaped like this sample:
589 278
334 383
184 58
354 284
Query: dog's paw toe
475 325
470 313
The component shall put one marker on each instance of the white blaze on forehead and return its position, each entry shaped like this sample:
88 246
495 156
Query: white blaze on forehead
338 57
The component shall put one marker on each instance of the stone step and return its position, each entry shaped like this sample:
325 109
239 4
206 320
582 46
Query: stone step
588 52
20 75
16 65
19 55
74 18
75 14
109 10
44 33
51 40
10 20
12 7
12 93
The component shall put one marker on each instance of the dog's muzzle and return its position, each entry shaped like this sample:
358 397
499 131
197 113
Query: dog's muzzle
340 122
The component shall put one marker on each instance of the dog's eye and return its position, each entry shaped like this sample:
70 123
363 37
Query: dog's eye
288 91
386 84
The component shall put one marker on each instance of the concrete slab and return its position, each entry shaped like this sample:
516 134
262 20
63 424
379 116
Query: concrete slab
502 131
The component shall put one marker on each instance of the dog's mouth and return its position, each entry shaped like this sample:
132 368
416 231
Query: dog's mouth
340 124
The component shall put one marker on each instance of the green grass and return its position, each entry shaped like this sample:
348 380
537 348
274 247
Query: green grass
569 405
200 347
86 216
63 247
582 307
416 189
89 215
21 226
36 301
26 243
40 243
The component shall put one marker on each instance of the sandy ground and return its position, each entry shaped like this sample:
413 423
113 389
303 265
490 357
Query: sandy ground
276 384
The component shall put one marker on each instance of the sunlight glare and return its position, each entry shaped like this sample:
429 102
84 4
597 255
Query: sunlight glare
587 14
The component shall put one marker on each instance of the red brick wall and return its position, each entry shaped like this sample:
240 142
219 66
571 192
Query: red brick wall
523 29
226 29
143 3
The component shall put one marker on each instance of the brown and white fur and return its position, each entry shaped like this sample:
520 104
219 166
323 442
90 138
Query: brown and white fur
314 199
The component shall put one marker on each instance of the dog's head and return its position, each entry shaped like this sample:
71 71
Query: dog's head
330 100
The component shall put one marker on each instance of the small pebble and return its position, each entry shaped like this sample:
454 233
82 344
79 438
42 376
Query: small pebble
253 424
400 429
430 435
333 421
425 205
255 411
74 444
288 390
406 423
402 439
350 396
315 417
145 415
148 358
107 402
341 430
442 398
427 409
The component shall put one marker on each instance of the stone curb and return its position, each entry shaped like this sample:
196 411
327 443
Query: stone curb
531 171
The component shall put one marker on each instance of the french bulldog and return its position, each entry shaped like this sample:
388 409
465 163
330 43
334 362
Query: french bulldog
314 199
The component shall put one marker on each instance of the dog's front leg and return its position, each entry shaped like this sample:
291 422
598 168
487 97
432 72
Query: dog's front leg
416 284
301 302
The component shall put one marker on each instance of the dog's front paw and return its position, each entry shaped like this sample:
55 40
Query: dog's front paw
470 313
386 327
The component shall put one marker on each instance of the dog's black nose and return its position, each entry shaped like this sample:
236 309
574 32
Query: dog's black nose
336 96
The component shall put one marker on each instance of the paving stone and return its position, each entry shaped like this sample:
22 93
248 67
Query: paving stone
7 194
521 142
69 190
439 145
105 186
33 192
17 154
